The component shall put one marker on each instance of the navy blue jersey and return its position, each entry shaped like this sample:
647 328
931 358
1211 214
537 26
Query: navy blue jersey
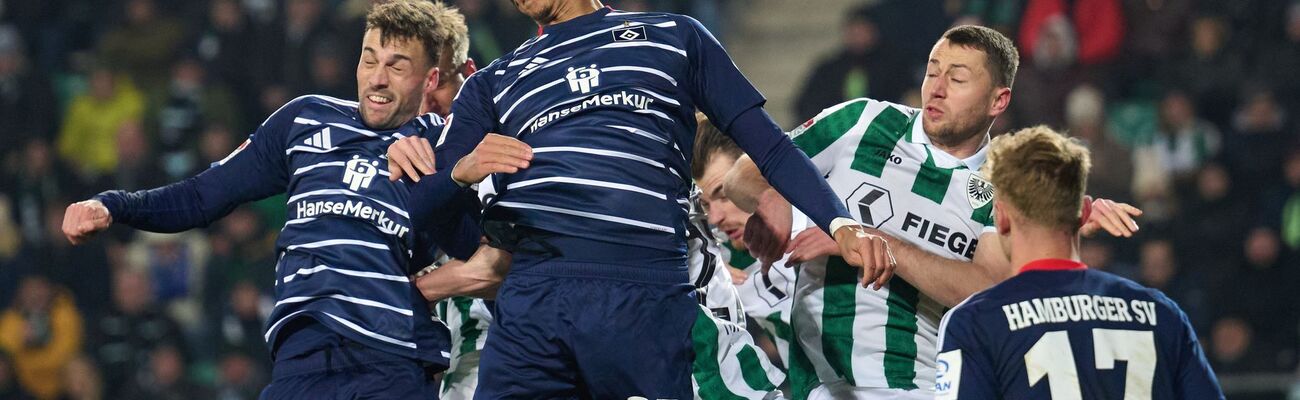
607 102
345 251
1063 330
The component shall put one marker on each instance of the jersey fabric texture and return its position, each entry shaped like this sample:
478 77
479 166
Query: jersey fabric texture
880 163
346 249
1061 330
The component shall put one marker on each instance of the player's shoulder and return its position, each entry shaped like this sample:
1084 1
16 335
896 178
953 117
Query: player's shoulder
1132 289
316 105
648 17
855 111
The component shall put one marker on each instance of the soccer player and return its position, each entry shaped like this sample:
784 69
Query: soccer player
766 293
595 211
347 321
910 175
1057 329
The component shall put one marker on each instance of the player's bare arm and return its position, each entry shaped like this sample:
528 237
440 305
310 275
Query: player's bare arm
480 276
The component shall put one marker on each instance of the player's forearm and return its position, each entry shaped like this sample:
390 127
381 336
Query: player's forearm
173 208
744 184
479 277
945 280
787 168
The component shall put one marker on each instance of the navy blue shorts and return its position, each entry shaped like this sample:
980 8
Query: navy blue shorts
561 333
345 369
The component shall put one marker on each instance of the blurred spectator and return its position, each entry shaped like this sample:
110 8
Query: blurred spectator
1214 221
88 139
1182 142
328 76
216 143
1099 253
1233 348
42 329
27 104
1278 62
137 166
123 339
227 47
861 67
1209 71
10 389
181 111
1158 268
1112 167
295 38
83 380
1281 205
144 46
175 264
84 271
1258 141
13 264
239 377
164 379
1093 29
33 179
242 322
1155 32
1048 69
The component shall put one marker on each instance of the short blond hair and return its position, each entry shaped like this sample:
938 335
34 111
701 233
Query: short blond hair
452 24
1042 174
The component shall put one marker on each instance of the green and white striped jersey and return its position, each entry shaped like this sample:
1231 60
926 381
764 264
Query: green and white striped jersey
468 319
879 160
767 298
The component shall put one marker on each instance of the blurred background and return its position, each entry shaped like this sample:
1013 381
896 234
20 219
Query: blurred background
1189 108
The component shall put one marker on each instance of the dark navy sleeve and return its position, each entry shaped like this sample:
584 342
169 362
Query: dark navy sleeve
964 368
256 170
717 87
1195 379
472 117
786 168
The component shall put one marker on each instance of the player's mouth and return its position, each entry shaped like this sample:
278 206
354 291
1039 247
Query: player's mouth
379 100
933 112
735 234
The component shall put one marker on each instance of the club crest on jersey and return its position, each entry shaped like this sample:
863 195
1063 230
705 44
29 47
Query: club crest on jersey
978 191
583 79
629 34
359 172
871 204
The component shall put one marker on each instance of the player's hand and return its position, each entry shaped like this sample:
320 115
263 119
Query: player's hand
496 153
410 156
1115 218
869 249
738 276
768 230
85 218
810 244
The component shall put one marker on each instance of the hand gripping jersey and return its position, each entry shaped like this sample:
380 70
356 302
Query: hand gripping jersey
346 248
1063 331
879 161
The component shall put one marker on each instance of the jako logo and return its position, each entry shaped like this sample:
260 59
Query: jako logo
359 173
583 79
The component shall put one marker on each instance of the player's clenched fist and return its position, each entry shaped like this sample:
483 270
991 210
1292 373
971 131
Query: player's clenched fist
496 153
83 219
868 249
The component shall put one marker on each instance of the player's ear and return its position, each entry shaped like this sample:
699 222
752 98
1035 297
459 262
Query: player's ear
1000 219
431 81
1086 212
469 68
1001 100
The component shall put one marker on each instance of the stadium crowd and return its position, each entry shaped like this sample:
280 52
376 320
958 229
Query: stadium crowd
1188 106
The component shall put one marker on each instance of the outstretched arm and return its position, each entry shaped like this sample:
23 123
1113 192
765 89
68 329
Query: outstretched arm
480 277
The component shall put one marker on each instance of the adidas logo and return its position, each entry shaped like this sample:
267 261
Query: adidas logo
320 139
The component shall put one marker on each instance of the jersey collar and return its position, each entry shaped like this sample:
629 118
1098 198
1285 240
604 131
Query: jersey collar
1053 264
942 158
579 21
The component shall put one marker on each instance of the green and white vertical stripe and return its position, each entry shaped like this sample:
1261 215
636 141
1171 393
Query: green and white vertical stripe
727 363
468 319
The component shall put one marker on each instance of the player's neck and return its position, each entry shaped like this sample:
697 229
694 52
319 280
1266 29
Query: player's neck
573 9
1037 243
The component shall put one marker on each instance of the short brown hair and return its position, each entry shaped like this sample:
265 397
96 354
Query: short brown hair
1002 57
412 19
709 142
1041 173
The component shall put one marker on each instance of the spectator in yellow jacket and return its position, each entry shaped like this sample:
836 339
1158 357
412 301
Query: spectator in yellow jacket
42 330
88 141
